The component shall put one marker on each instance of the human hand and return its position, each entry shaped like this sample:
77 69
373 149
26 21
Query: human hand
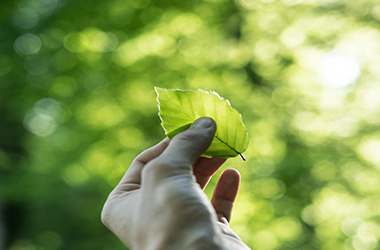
159 203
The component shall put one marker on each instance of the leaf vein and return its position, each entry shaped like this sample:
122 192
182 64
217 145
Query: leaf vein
227 144
181 108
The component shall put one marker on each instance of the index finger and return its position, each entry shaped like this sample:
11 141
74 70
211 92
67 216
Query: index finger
205 168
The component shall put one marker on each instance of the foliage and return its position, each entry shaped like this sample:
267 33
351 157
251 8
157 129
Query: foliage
77 105
178 109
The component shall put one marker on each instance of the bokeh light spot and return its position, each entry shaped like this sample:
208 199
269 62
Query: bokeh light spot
105 42
130 137
25 18
266 49
265 240
187 23
312 215
96 83
338 70
369 149
323 170
48 107
292 2
263 167
293 37
376 12
365 242
270 187
36 123
110 115
75 42
353 226
47 7
64 86
75 174
28 44
40 120
287 228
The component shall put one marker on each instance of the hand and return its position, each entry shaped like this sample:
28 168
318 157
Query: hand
159 203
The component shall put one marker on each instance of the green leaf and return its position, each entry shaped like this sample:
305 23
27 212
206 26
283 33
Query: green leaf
178 109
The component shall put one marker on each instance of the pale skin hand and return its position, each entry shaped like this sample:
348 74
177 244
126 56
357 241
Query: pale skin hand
159 203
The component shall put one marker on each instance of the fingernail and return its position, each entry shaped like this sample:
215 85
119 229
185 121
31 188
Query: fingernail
203 122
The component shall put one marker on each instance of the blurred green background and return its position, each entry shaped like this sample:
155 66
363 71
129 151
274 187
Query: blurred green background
77 104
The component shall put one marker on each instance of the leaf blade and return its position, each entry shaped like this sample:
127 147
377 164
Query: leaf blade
179 108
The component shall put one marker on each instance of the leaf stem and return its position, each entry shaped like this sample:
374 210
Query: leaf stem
242 157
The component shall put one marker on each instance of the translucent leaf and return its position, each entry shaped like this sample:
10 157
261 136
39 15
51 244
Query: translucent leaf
178 109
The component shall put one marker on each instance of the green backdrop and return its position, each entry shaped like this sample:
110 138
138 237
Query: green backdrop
77 104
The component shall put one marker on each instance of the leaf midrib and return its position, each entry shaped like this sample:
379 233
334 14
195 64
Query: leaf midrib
227 144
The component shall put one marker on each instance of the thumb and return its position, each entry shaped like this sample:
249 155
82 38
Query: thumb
190 144
184 149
